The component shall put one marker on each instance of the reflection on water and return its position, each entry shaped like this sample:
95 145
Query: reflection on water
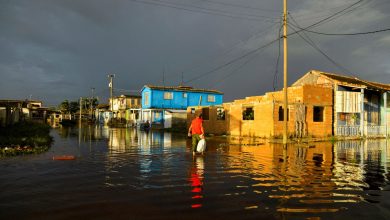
196 181
127 173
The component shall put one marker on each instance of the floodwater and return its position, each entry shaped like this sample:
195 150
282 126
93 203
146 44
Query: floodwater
129 174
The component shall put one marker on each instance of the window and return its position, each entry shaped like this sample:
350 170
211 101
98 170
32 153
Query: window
211 98
146 95
388 100
205 113
248 113
132 102
281 114
192 111
184 95
168 95
318 114
220 113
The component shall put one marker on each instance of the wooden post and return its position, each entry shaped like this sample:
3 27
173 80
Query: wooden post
285 104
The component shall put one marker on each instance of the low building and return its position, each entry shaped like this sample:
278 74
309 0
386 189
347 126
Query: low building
126 108
165 106
319 104
102 114
309 114
13 111
360 107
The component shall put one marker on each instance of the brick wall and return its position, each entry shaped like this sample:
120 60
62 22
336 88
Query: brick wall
266 113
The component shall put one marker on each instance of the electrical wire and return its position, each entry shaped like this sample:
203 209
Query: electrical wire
277 59
232 61
344 34
203 11
234 71
232 48
240 6
312 44
212 9
322 21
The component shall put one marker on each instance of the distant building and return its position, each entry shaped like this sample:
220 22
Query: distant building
126 107
165 106
13 111
102 113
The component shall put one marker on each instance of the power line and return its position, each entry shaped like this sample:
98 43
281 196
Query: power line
240 6
126 90
234 71
312 44
344 34
204 11
328 18
232 61
226 52
277 59
212 9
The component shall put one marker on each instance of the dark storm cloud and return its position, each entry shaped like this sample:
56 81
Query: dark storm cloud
56 50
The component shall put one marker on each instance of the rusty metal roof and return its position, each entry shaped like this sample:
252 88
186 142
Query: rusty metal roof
354 81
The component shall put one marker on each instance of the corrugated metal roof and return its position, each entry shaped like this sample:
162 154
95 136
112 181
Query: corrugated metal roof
355 81
183 88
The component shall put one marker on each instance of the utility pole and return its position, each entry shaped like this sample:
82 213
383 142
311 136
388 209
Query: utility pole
111 85
81 108
91 102
285 104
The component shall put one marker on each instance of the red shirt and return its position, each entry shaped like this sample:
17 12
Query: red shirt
196 126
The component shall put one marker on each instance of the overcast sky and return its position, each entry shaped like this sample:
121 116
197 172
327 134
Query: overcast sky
53 50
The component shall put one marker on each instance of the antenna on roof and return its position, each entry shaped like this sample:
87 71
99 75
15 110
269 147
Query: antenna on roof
164 76
182 79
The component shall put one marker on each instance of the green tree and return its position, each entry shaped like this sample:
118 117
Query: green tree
64 106
73 107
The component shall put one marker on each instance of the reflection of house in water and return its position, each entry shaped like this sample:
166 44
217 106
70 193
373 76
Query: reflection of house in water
313 177
362 162
124 138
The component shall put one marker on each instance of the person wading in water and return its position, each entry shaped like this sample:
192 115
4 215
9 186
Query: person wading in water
196 130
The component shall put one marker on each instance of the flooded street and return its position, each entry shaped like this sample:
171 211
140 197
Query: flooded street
124 173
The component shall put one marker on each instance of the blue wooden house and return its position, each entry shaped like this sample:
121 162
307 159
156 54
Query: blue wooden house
162 104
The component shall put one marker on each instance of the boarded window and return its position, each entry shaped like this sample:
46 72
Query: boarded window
318 114
205 113
168 95
248 113
220 113
281 114
211 98
146 101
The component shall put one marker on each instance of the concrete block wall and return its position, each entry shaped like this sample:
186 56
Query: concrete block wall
266 113
212 125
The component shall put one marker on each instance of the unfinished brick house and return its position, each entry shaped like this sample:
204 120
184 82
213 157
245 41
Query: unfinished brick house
360 107
319 104
309 113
